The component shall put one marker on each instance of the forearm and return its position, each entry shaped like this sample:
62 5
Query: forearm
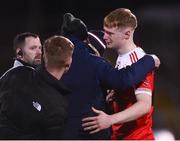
132 113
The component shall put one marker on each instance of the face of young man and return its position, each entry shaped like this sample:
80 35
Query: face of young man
31 51
114 37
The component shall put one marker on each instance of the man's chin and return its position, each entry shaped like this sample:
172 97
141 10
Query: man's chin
37 62
109 46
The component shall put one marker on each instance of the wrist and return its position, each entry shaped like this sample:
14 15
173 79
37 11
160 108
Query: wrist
111 119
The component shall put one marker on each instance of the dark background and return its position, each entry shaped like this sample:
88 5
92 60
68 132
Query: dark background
157 32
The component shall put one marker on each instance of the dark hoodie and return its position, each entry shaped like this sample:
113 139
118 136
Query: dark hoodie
33 105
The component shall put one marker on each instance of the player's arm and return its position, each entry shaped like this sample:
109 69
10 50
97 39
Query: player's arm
103 120
143 94
138 109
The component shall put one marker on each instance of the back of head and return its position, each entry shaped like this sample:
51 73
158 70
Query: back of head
57 51
120 18
19 40
73 27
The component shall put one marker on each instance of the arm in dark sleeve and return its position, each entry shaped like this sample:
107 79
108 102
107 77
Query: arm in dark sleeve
126 77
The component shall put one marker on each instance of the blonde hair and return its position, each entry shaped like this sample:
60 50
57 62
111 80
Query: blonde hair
119 18
57 50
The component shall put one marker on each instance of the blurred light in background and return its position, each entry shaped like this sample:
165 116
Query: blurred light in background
163 134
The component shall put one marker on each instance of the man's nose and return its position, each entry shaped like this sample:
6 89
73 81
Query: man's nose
105 36
39 51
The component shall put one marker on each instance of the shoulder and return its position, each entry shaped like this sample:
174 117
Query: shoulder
139 52
21 70
17 72
16 78
97 59
136 54
100 64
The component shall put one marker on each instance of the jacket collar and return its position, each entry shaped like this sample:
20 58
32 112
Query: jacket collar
19 62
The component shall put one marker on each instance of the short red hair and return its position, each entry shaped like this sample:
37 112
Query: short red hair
120 17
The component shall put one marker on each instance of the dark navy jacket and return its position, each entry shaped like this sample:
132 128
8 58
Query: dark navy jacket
87 77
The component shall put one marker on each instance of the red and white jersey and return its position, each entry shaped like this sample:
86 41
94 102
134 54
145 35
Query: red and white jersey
129 58
140 129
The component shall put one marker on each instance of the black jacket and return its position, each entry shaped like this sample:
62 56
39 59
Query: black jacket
33 105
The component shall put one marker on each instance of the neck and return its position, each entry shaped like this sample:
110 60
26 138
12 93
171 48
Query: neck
26 63
57 73
126 48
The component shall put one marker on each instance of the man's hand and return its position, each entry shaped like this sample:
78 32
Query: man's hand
96 123
156 60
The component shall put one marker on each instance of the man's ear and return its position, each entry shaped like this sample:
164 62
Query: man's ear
19 53
127 34
68 64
